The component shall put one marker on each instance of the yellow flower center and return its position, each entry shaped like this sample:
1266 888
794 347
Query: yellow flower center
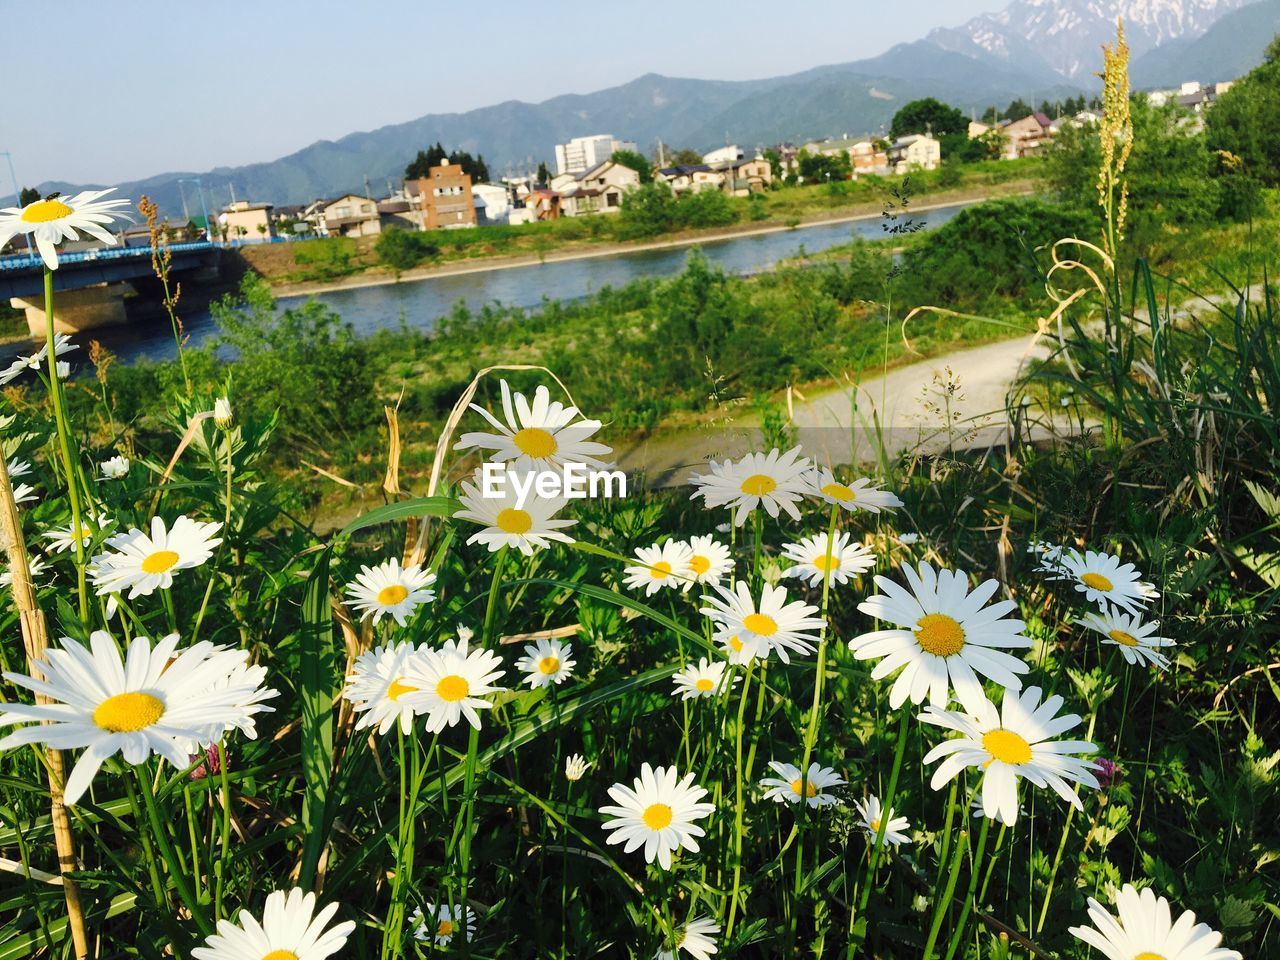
656 816
660 570
514 521
1097 581
159 562
42 211
699 565
452 688
826 563
735 644
127 712
838 491
939 634
390 596
281 955
875 825
1148 955
810 789
760 624
549 665
445 928
398 689
1006 746
757 485
535 442
1127 639
705 684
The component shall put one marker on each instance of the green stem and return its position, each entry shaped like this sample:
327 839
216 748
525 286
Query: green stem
956 934
176 873
886 802
1062 843
941 903
738 802
219 868
64 445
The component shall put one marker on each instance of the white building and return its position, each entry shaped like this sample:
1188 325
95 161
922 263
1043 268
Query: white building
915 152
584 153
497 202
730 154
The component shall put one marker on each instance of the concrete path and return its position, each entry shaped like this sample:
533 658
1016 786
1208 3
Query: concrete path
913 405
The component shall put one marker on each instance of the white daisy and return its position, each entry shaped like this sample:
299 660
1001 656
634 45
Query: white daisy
61 344
1131 635
389 590
773 480
115 469
945 635
1012 743
57 218
1048 556
441 922
700 680
377 684
450 682
817 558
859 495
24 493
575 767
710 562
156 700
527 527
144 563
1103 579
1145 930
547 662
739 653
696 938
908 539
657 814
18 468
62 539
661 565
788 785
537 436
36 566
874 817
774 625
222 415
290 930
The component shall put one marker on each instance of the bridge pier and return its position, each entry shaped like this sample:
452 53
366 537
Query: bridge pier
101 305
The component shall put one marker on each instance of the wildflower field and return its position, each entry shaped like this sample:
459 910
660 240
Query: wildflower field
1008 702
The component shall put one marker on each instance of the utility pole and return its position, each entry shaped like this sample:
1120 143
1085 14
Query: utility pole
17 193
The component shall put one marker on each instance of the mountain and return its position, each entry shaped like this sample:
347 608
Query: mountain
857 97
1230 48
1063 36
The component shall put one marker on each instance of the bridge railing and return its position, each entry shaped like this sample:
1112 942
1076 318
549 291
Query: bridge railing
25 261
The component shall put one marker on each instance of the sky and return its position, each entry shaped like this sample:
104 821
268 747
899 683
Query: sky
123 90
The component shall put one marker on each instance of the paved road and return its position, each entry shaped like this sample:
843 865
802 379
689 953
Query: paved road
836 426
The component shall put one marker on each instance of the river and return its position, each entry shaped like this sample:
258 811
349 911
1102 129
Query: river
421 302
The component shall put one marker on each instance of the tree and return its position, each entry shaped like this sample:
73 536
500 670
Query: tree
435 155
401 249
685 158
821 167
636 161
544 175
991 115
1243 128
928 116
1017 109
647 211
28 195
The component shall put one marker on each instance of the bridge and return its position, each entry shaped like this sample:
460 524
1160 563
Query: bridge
91 285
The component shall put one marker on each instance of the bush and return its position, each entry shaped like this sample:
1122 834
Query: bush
402 249
705 208
647 211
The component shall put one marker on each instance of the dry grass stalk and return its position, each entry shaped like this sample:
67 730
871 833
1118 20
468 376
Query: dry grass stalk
35 638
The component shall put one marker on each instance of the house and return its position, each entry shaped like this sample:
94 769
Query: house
977 129
244 221
729 154
400 212
541 204
496 199
1027 136
740 177
446 198
583 153
350 215
172 229
599 190
917 151
866 155
1201 97
682 179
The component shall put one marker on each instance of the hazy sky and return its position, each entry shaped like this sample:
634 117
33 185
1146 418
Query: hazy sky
112 91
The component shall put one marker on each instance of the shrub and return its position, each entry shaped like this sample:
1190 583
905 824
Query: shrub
402 249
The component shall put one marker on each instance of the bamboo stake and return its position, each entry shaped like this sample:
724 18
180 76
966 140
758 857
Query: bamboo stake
35 638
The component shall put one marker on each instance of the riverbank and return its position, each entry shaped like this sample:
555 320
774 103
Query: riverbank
588 249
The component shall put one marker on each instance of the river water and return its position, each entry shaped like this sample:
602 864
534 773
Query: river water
420 303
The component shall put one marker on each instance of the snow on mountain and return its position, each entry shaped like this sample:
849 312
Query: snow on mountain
1062 36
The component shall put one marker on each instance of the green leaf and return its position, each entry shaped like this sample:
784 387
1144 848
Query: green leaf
317 690
419 507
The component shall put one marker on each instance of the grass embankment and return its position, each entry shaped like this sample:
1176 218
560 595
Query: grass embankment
335 259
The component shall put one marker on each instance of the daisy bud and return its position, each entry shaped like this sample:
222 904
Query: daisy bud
1107 772
212 765
222 413
574 768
